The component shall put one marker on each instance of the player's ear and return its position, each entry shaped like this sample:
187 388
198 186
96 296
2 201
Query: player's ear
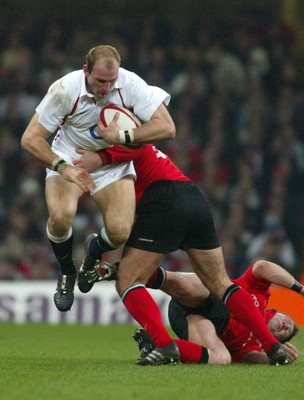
86 69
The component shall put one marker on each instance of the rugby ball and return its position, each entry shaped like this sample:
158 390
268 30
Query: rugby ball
126 120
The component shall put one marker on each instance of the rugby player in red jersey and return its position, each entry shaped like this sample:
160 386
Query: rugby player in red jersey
199 317
171 213
192 308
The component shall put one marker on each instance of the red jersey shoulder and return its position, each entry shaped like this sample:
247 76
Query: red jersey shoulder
250 282
156 165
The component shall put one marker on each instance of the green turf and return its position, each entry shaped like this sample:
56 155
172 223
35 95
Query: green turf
98 362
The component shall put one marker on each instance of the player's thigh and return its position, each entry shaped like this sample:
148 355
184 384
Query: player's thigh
117 202
61 197
210 267
187 288
202 331
136 266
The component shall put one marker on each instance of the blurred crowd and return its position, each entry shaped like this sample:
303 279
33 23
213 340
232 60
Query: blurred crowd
238 104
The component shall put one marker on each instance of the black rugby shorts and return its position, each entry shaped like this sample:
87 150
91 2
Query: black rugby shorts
212 309
173 215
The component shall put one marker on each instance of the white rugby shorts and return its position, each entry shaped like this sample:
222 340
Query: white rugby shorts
104 175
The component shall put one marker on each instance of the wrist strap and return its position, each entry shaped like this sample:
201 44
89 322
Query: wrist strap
59 164
126 136
297 287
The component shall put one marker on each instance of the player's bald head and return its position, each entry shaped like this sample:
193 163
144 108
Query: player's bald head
107 55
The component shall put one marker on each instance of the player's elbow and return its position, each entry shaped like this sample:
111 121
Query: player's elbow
166 128
260 267
171 131
25 142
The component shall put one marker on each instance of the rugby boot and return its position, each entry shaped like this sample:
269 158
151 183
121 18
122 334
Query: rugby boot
161 355
64 295
145 342
85 283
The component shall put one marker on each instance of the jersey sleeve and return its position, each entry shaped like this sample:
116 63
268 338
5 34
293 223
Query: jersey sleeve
238 355
258 288
117 154
252 283
54 107
148 99
142 98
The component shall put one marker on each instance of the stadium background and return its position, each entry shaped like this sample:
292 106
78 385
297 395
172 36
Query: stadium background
235 73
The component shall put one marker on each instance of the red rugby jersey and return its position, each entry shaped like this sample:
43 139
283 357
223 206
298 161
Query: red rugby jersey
151 165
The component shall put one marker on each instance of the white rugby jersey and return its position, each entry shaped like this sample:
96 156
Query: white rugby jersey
71 111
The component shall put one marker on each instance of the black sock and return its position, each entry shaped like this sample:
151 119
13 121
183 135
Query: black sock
99 246
161 278
157 279
205 356
63 253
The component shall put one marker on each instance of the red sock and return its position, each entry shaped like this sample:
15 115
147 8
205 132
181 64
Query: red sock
192 352
243 308
145 311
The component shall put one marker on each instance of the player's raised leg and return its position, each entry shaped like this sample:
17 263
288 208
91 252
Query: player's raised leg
62 199
117 203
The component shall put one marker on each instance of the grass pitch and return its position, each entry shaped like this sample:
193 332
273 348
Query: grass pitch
76 362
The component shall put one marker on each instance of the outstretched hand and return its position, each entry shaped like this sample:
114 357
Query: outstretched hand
79 176
292 352
89 160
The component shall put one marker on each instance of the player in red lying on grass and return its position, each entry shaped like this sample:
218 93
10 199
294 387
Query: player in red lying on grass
173 214
198 316
192 305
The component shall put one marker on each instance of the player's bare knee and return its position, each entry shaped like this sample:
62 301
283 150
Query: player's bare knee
60 221
225 357
219 356
118 232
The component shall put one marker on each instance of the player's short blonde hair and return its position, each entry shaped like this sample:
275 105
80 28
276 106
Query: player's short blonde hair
109 53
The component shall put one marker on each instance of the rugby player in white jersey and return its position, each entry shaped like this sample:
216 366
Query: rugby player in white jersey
69 111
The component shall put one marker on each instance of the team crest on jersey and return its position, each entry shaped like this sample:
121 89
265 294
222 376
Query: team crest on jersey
95 135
